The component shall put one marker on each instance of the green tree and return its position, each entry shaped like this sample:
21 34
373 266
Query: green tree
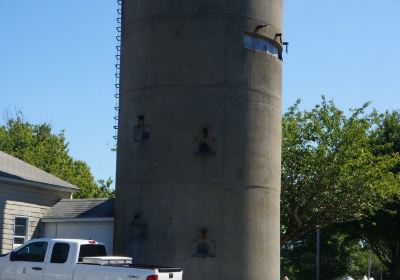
341 254
37 145
331 173
336 258
381 229
105 188
386 136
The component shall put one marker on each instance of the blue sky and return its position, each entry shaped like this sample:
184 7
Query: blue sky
57 63
345 49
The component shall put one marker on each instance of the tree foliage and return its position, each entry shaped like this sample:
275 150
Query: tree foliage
340 256
331 172
37 145
381 229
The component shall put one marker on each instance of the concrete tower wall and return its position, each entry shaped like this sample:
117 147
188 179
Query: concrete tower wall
187 79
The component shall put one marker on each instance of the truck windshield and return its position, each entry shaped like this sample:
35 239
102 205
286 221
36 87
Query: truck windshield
90 250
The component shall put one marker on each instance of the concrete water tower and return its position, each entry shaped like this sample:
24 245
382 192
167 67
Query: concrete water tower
199 140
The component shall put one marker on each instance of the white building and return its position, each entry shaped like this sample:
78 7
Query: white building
34 203
81 218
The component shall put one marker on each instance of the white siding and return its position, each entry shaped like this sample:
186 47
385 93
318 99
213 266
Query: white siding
99 231
23 201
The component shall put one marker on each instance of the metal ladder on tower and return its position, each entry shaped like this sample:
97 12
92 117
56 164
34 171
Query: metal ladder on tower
117 67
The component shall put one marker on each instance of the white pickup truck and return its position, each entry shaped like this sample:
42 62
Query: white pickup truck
73 259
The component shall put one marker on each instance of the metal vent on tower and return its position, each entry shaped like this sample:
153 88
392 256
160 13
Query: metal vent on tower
204 143
141 132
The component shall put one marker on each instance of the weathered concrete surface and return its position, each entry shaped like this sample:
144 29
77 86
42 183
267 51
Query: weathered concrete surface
184 67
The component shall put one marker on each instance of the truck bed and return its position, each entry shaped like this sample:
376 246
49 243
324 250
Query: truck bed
139 266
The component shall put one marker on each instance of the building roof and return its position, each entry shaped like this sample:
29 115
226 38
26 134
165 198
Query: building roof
81 209
13 169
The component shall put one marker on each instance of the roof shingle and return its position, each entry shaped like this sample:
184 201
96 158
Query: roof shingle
81 208
14 168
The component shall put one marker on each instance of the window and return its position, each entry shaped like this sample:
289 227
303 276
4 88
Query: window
20 231
91 251
261 44
33 252
60 253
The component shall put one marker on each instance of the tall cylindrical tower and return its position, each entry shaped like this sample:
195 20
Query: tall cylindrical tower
199 141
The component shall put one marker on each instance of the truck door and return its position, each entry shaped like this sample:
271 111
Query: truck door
10 269
60 263
28 262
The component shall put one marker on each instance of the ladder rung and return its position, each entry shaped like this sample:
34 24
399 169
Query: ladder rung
117 65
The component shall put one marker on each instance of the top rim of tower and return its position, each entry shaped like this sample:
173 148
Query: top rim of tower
262 12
